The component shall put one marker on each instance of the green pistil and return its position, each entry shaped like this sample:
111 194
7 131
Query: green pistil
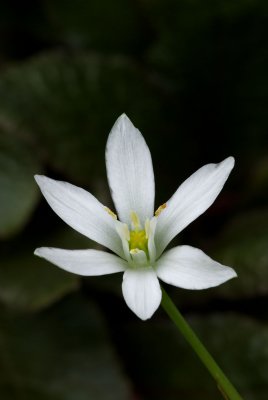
138 240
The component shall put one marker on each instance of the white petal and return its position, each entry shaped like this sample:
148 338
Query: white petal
83 262
190 268
191 199
150 226
123 232
142 291
82 211
130 171
138 257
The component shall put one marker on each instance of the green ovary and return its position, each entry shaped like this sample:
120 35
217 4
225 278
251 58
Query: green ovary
138 240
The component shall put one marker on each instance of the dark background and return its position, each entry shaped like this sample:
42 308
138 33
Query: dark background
192 76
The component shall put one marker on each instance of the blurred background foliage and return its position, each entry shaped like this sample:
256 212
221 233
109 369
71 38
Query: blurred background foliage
192 76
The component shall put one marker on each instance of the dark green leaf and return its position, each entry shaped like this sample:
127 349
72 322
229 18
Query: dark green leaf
30 283
164 366
243 245
62 354
68 104
18 190
108 26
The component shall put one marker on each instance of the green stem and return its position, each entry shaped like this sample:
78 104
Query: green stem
226 388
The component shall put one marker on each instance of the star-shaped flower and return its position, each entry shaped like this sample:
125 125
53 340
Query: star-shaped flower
139 237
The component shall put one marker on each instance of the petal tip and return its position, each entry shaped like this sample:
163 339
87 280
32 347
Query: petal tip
142 315
144 318
229 273
123 122
37 177
37 252
229 162
43 251
233 274
40 179
122 117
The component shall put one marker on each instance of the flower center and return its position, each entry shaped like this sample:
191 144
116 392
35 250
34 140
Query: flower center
138 240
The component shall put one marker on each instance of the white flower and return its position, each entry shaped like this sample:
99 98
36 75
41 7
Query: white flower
139 237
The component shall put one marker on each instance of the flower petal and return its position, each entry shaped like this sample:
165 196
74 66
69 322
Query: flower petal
139 257
192 198
83 262
190 268
141 291
150 226
130 171
82 211
123 232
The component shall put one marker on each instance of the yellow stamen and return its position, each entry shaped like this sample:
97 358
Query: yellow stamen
160 209
134 251
147 228
112 214
125 232
135 220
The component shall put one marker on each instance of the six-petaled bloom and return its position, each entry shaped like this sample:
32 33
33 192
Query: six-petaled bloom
139 236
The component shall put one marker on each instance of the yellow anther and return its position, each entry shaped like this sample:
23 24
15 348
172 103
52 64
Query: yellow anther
135 220
160 209
134 251
112 214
